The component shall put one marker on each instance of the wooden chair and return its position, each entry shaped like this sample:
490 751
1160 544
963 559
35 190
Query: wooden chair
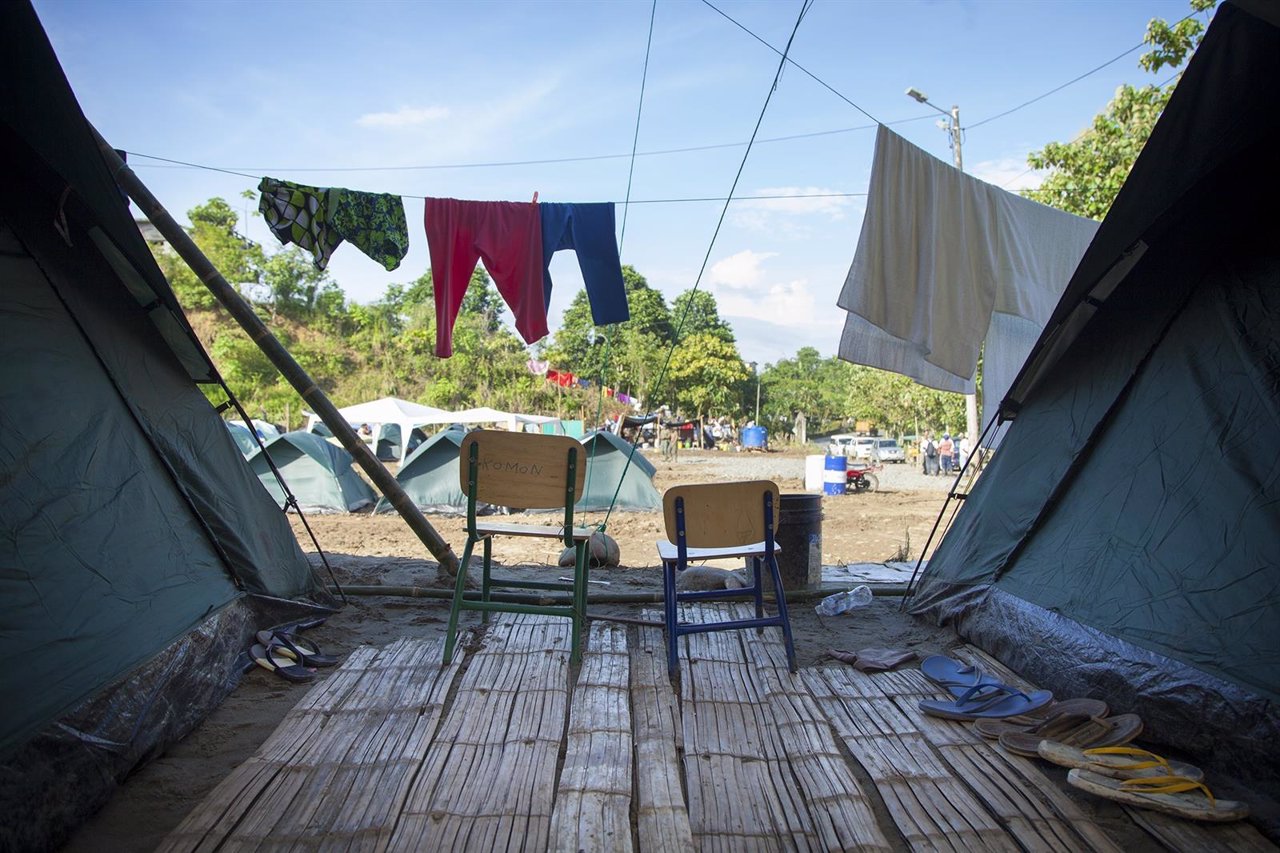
715 521
526 471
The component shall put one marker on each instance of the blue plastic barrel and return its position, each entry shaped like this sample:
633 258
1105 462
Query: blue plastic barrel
754 437
834 479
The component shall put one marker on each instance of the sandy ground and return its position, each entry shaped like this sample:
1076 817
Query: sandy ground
891 523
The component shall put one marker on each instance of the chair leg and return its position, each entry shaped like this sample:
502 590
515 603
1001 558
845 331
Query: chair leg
581 556
669 616
782 613
485 582
451 635
759 587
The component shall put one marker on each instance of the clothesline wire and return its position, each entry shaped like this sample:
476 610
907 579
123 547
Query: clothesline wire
586 158
811 75
1073 80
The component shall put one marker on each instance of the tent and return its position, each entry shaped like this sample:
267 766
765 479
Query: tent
607 466
1125 541
139 553
430 475
319 474
244 439
390 411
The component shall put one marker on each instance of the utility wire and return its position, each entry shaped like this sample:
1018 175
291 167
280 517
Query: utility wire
812 76
635 140
544 162
1073 80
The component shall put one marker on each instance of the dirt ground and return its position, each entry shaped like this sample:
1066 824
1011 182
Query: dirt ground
379 550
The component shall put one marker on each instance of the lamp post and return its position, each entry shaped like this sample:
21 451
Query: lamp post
755 370
952 126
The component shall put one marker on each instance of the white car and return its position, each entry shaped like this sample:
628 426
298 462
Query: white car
888 450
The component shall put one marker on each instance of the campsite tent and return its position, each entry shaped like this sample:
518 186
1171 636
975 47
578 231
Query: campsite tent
244 439
607 466
139 554
1125 541
318 474
390 411
430 475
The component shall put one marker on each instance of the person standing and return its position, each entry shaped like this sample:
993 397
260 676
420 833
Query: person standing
946 451
930 456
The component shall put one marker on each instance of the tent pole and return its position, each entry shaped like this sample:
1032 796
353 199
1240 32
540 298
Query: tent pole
279 356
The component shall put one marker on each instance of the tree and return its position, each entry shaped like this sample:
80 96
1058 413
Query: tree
707 374
1087 173
695 312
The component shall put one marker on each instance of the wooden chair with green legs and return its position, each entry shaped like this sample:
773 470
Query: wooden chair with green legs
521 471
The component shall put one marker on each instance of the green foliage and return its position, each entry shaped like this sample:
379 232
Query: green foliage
1087 173
695 312
707 373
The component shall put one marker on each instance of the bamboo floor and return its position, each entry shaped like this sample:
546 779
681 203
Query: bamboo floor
508 749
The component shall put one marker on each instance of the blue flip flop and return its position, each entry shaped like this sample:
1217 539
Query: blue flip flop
987 701
954 675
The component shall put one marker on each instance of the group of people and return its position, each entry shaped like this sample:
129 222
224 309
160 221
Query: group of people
945 456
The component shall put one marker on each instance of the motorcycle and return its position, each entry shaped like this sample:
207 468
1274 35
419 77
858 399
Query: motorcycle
859 478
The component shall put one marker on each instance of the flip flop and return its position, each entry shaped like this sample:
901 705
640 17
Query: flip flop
285 667
1074 730
303 651
1175 795
1117 762
954 675
986 701
1024 723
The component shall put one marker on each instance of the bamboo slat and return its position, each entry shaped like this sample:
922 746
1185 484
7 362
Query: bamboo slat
931 808
487 781
662 818
373 716
1178 834
766 769
593 801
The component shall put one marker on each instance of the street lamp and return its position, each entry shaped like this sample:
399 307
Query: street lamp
952 127
755 371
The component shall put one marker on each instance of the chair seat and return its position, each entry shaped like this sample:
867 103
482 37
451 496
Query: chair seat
551 531
667 551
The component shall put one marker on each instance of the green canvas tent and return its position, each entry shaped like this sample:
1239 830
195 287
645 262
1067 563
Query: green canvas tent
607 467
1125 541
317 472
430 475
138 554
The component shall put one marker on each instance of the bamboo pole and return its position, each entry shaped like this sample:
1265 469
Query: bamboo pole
279 356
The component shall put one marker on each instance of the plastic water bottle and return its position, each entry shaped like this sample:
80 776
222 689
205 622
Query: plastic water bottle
843 602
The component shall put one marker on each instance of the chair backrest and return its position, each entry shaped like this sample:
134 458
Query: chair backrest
717 515
522 469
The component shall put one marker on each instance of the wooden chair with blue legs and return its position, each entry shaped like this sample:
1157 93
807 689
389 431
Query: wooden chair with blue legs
525 471
716 521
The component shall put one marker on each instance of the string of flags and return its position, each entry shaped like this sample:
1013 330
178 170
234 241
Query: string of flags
516 240
567 379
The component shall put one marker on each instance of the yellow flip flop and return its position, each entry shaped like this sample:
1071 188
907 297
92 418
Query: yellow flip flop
1117 762
1175 795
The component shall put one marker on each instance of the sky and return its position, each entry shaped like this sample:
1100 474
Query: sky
473 100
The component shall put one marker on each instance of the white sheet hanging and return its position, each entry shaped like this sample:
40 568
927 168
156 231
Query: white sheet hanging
940 253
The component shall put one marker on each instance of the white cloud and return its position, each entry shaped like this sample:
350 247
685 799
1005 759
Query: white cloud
777 214
1008 173
741 271
785 304
403 117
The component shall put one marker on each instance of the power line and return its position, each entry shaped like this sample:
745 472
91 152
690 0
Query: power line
1073 80
635 140
812 76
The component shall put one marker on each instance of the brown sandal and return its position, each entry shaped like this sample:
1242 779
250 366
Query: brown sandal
1076 731
1077 707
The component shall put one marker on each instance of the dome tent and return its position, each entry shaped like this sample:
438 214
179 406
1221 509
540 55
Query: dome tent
1124 542
140 554
430 475
607 467
318 473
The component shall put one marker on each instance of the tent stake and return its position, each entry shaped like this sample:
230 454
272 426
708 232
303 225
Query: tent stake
279 356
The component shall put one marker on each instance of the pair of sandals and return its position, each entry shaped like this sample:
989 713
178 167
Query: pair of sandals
977 695
289 656
1143 779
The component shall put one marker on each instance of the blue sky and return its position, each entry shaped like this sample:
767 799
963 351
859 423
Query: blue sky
303 91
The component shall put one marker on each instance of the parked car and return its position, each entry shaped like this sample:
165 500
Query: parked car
888 450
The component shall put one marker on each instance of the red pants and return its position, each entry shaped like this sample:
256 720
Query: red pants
508 236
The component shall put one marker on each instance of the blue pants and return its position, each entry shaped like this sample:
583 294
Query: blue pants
589 230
